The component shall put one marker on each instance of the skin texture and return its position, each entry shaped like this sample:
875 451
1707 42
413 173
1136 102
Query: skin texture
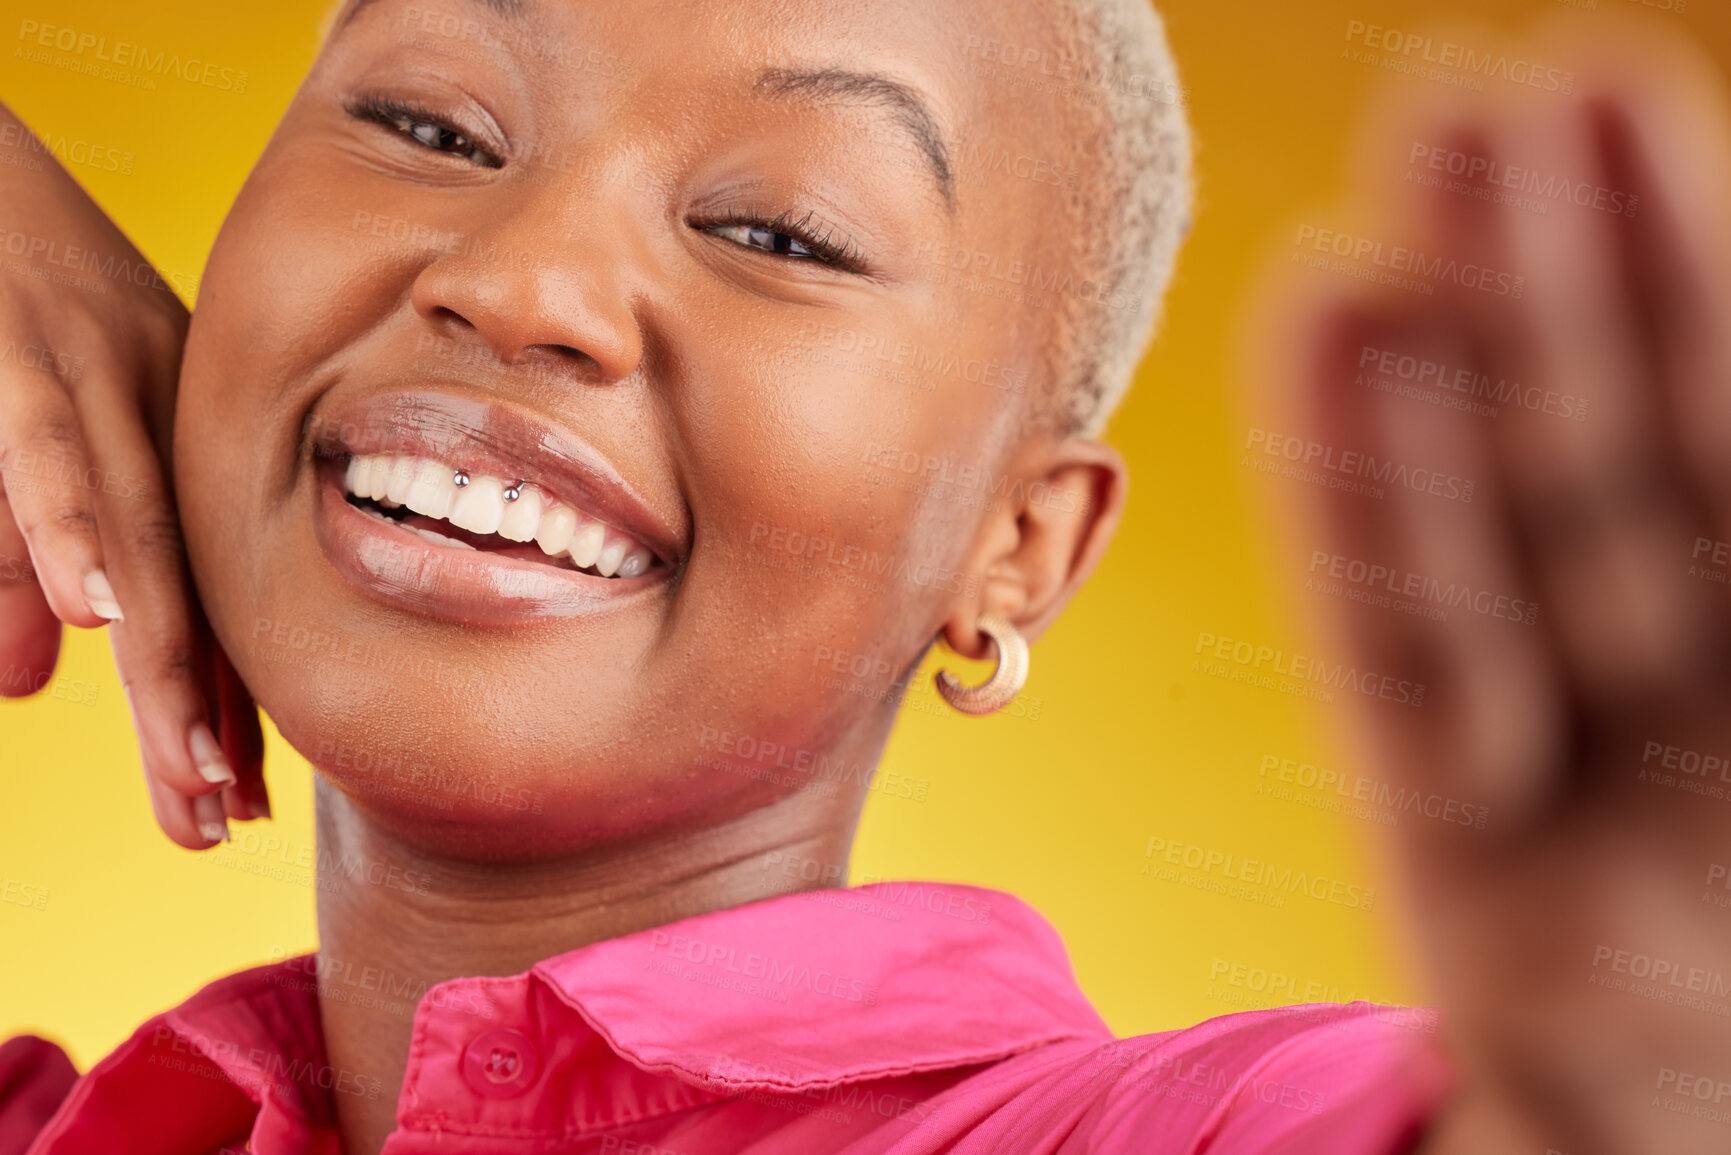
593 294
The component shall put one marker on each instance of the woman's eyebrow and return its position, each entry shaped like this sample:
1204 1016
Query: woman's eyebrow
911 110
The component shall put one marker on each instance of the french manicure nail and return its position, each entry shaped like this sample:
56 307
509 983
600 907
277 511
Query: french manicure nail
207 756
258 807
99 596
212 823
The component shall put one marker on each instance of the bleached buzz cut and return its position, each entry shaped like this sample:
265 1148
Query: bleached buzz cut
1132 205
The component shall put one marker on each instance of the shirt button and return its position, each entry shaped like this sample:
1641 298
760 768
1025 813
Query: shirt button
500 1064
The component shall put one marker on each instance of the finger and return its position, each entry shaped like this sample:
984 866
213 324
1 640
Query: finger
210 814
176 815
242 741
164 662
1447 610
29 631
42 467
1664 131
1600 503
1497 697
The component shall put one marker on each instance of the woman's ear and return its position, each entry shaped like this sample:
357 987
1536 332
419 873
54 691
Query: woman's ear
1039 545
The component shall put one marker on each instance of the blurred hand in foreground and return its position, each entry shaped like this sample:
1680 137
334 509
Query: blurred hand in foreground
1507 375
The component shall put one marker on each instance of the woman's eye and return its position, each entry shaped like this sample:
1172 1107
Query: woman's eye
767 239
802 236
423 129
434 135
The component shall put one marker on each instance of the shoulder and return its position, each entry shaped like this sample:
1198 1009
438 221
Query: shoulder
1343 1079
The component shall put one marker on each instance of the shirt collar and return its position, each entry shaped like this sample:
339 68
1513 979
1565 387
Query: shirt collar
798 992
831 986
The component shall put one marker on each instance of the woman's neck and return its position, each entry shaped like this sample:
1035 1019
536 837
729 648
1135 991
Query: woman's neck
423 919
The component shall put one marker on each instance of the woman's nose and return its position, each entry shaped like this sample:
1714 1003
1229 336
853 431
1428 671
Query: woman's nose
543 281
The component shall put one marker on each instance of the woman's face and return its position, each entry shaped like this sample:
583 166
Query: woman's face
725 284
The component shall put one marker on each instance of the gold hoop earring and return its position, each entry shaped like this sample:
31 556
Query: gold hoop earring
1006 681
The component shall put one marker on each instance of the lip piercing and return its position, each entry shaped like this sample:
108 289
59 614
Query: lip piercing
460 478
514 490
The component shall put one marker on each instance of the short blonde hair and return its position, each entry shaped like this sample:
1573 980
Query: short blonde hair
1135 210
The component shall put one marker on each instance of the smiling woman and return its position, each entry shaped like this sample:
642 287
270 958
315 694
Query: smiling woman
595 905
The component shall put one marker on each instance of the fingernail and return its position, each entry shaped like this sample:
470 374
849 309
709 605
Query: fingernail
212 822
207 756
99 596
258 807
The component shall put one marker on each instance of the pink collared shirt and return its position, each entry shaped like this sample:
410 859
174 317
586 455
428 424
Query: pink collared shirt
893 1019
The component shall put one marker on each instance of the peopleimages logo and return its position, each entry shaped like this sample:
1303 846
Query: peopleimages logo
1545 187
1349 470
781 975
1447 54
1430 269
814 551
1278 880
1669 972
989 267
1039 60
936 471
1459 387
1386 586
1356 788
48 254
1258 660
37 39
104 158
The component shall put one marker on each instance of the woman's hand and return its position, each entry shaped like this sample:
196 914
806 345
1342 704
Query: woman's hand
90 345
1571 359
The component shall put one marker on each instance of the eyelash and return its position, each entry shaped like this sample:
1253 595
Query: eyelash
818 239
404 117
812 234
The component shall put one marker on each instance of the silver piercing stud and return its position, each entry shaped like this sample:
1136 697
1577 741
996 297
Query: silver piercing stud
514 491
460 478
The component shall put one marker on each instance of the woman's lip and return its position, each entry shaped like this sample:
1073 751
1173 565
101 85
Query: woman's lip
468 586
485 435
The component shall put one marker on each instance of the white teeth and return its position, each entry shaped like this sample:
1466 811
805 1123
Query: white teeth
608 563
400 471
429 488
480 505
377 478
522 517
438 538
557 526
586 544
432 491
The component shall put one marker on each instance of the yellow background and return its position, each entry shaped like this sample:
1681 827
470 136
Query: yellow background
1129 742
